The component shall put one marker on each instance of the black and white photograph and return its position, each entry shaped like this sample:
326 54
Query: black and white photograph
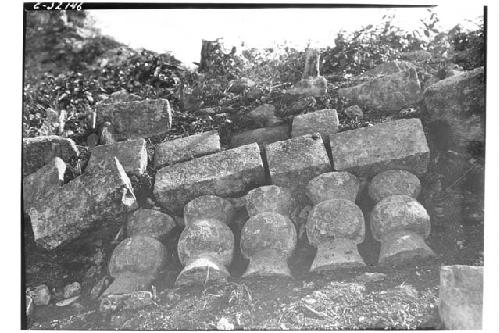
256 166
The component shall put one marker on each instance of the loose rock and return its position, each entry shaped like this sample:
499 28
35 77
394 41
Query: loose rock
263 136
354 112
72 290
40 295
264 116
49 177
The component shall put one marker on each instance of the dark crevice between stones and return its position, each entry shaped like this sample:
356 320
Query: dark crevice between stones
326 142
267 172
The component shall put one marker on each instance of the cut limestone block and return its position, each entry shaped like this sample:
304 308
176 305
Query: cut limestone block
149 222
325 122
335 227
268 240
294 162
136 119
205 248
227 173
389 87
461 297
401 223
132 155
102 191
209 207
460 103
269 198
184 149
399 144
262 136
333 185
394 182
134 264
48 177
39 151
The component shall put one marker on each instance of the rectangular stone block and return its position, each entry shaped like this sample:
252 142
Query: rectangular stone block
227 173
294 162
184 149
325 122
39 151
399 144
132 155
262 136
62 214
39 182
136 119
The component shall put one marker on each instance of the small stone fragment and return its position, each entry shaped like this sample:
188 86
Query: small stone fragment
263 115
149 222
394 182
354 112
371 277
68 301
41 295
72 290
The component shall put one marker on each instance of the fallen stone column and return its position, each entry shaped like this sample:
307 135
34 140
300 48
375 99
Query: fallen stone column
206 245
365 152
150 223
335 225
394 182
209 207
269 237
134 264
461 297
227 173
401 223
60 215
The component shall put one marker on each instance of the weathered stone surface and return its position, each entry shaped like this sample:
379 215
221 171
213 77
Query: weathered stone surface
228 173
399 212
269 198
149 222
39 151
416 56
335 227
294 162
460 102
262 136
264 116
205 247
136 119
402 246
315 87
354 112
135 262
461 297
268 240
209 207
61 214
390 87
333 185
71 290
184 149
339 218
394 182
399 144
39 182
325 122
40 295
132 155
